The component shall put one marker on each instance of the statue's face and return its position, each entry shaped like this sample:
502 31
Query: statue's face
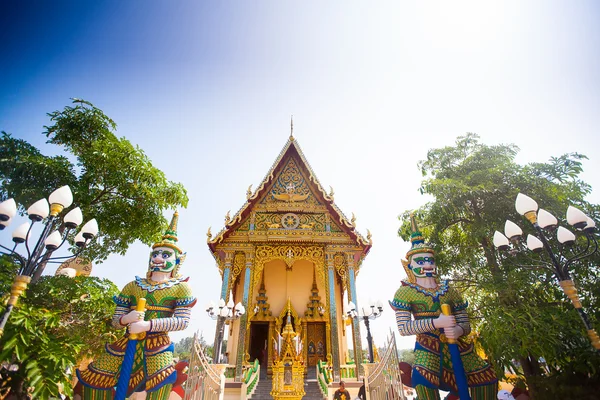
423 265
162 259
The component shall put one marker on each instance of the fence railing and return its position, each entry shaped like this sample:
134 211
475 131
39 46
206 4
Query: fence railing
205 381
348 371
384 382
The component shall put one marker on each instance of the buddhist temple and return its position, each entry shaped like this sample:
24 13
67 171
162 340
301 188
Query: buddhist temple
291 257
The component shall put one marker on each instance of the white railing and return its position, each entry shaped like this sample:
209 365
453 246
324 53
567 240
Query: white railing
384 381
205 381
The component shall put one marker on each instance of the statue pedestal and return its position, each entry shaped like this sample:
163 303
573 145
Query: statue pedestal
288 380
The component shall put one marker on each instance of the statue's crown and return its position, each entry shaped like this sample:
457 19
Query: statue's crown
417 240
169 239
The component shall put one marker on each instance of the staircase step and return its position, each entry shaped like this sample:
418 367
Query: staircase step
311 389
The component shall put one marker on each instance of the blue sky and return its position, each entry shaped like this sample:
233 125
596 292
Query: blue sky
372 86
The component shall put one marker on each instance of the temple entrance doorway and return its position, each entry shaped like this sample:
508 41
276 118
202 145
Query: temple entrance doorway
259 335
316 343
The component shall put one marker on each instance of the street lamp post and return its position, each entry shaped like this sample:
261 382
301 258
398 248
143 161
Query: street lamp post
226 312
373 311
545 223
53 236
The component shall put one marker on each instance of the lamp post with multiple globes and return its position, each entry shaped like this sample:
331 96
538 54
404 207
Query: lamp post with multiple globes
54 235
545 223
373 311
226 312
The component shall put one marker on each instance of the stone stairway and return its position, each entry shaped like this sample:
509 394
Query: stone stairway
311 387
263 388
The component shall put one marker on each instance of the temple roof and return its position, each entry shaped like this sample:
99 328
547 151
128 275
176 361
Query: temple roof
291 150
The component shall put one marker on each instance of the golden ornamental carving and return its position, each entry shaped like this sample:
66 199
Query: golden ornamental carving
289 195
353 220
289 253
239 263
249 192
290 207
228 257
291 186
262 308
300 221
350 260
369 237
208 235
331 193
281 319
290 221
228 218
341 264
315 309
310 226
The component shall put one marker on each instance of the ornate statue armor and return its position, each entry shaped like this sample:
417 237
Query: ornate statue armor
432 369
168 307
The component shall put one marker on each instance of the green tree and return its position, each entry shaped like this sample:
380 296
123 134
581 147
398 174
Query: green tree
59 322
516 305
406 355
111 179
183 348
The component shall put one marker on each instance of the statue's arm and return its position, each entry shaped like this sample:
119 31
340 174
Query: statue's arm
460 312
181 313
462 320
120 312
123 303
178 322
409 327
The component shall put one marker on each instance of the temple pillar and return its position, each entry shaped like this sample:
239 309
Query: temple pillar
305 341
270 348
241 349
335 351
358 355
224 294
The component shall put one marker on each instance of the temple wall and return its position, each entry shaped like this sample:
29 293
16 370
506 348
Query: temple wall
296 284
299 283
275 285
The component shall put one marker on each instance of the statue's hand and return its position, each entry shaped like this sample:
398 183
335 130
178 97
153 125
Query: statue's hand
454 332
133 316
444 321
140 326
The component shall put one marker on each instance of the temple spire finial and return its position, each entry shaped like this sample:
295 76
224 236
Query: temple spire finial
413 223
292 128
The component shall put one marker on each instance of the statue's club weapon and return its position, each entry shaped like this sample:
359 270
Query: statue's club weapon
127 365
457 365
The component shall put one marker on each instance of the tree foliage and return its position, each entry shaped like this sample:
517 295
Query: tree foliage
111 179
58 323
405 355
516 305
183 348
